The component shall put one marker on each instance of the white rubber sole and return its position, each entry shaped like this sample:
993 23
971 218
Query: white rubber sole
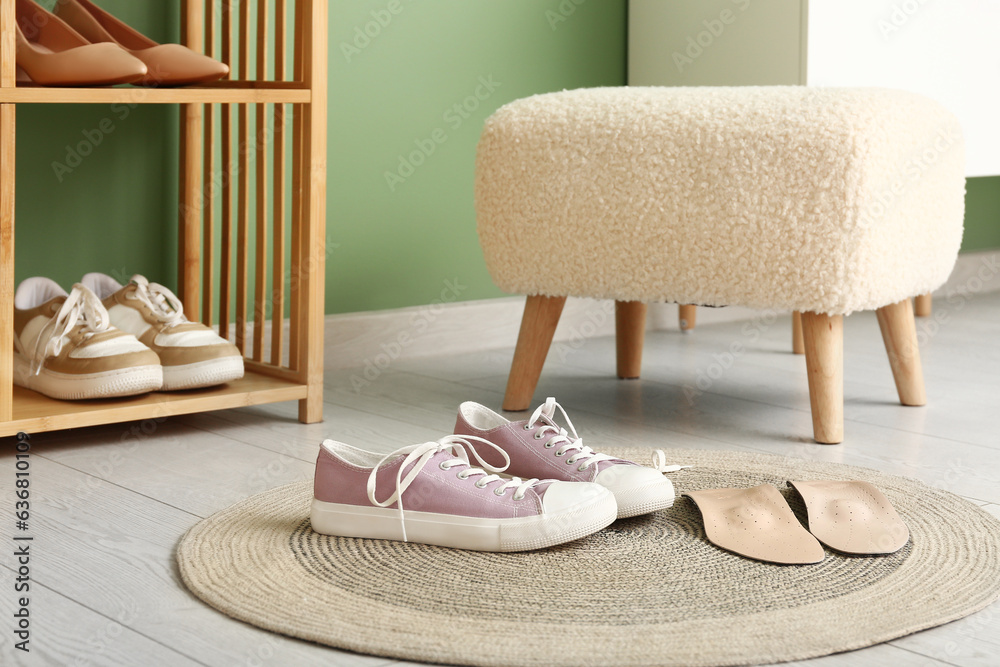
463 532
108 384
645 499
202 373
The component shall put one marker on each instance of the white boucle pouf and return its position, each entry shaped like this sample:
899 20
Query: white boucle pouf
819 200
813 199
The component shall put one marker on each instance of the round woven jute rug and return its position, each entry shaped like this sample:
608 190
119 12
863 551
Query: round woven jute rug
645 591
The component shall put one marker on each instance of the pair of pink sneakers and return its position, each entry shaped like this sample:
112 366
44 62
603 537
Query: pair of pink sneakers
562 491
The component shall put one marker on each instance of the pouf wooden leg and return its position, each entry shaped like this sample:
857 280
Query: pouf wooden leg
900 335
687 314
630 332
922 305
798 344
824 345
538 325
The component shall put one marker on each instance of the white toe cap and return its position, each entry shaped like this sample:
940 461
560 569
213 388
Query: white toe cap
624 477
563 496
637 490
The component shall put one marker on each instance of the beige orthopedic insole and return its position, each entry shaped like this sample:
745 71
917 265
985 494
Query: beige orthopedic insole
853 517
756 523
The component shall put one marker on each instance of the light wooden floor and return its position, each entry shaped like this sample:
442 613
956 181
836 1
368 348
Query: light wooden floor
110 503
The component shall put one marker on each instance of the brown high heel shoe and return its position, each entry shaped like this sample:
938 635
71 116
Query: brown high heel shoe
168 64
50 53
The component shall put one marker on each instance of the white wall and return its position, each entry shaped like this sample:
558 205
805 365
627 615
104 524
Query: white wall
946 49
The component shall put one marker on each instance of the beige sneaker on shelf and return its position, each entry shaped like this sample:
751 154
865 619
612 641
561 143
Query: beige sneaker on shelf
192 355
66 348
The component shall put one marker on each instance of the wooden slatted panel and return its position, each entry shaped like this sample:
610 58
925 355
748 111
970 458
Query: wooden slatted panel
243 195
189 254
8 47
278 178
298 156
209 191
7 135
226 183
260 265
314 219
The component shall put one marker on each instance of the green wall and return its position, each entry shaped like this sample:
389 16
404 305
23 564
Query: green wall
982 214
392 244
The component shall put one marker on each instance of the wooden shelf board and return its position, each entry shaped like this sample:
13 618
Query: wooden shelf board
34 413
225 92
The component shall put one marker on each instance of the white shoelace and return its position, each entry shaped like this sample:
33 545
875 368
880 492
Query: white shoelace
458 446
81 307
164 303
570 440
660 462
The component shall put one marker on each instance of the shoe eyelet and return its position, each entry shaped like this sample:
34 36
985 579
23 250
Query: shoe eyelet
527 427
560 453
581 468
548 445
499 491
461 475
444 465
570 462
538 435
480 485
517 497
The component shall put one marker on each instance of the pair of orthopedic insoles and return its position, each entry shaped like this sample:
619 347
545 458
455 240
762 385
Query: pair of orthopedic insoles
851 517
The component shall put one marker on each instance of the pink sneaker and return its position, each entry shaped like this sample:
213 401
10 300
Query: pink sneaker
539 447
448 502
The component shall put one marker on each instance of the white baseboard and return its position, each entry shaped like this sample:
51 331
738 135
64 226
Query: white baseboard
352 339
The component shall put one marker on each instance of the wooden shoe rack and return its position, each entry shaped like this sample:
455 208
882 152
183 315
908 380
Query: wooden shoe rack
252 241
